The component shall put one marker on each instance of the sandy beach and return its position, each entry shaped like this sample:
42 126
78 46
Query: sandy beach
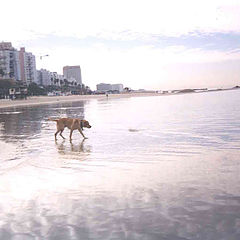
35 100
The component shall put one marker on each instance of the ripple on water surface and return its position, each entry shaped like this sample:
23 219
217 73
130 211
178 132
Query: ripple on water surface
165 172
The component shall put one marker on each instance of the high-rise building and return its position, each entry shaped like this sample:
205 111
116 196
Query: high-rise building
27 67
9 62
39 77
17 65
6 46
73 72
44 77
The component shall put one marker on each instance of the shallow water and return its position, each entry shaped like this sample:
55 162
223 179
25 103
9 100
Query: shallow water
151 168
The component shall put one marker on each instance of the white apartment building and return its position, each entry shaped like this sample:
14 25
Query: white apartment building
61 79
9 62
72 81
54 78
44 77
117 87
73 72
17 65
104 87
27 67
39 77
57 79
21 66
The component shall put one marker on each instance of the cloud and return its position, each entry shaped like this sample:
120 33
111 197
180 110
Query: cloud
113 19
145 66
139 43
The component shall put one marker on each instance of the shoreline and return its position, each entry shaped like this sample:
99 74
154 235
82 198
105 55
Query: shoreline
40 100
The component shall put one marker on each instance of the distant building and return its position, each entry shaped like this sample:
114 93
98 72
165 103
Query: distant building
17 65
39 77
21 66
44 77
117 87
47 78
6 46
18 93
54 78
73 72
72 81
104 87
27 66
9 62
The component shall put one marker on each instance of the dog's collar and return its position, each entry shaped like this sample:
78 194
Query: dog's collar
81 124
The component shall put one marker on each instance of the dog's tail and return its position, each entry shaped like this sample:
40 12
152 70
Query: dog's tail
51 119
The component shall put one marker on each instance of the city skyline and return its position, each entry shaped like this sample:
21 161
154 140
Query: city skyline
142 44
17 64
20 66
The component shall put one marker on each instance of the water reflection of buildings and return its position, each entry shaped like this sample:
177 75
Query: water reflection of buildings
28 121
21 123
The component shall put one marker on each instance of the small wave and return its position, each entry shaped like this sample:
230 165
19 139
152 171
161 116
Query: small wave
7 113
65 108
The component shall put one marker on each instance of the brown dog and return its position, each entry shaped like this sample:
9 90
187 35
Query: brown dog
72 124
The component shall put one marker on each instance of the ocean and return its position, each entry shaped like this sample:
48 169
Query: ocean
164 168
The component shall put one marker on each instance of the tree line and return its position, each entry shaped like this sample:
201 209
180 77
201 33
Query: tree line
35 90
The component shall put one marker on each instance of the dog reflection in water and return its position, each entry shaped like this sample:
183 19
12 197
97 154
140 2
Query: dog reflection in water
64 148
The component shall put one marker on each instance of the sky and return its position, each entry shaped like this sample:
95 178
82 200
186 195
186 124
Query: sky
143 44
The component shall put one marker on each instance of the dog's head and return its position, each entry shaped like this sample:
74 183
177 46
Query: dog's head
85 123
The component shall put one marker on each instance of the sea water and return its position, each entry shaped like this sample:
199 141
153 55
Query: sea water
162 167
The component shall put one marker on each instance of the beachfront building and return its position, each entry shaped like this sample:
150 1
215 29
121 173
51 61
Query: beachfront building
27 67
39 77
73 72
47 78
17 65
72 81
9 62
106 87
54 78
44 77
117 87
58 79
21 66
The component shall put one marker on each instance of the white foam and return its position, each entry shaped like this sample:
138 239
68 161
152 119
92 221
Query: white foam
6 113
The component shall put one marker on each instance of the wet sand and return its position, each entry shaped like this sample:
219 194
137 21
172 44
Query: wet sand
5 103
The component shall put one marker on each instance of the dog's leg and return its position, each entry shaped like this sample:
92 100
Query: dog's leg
80 130
61 134
56 133
71 131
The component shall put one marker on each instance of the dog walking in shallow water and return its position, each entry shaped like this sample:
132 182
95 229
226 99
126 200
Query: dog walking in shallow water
72 124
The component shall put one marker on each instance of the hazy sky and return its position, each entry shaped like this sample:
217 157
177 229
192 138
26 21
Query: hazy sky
151 44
